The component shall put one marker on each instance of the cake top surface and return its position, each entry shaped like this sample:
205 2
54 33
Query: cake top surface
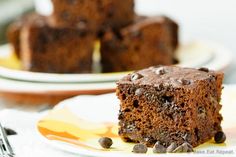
142 22
39 21
169 76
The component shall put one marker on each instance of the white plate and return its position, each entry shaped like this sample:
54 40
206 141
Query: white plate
84 116
194 54
8 85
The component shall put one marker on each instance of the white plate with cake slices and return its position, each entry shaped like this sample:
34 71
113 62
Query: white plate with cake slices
76 124
193 54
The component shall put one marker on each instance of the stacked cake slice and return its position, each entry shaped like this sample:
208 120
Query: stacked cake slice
148 41
64 41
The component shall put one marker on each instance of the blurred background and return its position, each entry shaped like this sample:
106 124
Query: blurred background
203 19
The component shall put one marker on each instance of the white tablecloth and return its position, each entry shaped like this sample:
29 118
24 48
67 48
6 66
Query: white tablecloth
28 143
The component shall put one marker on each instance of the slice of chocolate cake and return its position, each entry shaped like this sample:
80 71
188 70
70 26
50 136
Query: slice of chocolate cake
56 50
149 41
170 104
94 14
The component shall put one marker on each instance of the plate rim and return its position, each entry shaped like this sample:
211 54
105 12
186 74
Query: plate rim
100 77
14 86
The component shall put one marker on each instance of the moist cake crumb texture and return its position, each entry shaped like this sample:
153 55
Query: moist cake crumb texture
170 104
148 41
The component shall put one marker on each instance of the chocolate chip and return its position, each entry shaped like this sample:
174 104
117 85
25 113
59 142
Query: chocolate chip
185 147
139 91
212 78
136 103
149 140
131 128
184 81
10 132
175 61
161 87
136 76
178 149
171 147
188 146
201 112
105 142
158 148
220 137
120 115
140 148
127 110
204 69
160 71
167 99
123 96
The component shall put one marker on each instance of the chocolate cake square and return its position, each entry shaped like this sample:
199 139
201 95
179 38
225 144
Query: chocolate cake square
94 14
56 50
147 42
170 104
